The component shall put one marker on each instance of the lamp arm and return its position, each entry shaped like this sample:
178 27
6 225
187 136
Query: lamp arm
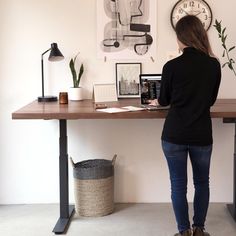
43 71
46 51
42 76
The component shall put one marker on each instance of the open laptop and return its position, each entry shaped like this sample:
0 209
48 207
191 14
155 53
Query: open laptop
150 85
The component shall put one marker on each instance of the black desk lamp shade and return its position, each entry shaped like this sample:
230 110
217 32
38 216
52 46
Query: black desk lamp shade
55 55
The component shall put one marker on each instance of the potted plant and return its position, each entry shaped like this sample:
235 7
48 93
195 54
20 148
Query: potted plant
76 92
226 51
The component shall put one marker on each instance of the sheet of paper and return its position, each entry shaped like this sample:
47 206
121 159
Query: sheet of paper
104 93
113 110
122 109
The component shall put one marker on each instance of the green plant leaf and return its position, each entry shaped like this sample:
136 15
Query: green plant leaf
224 38
230 66
73 71
218 26
231 48
223 31
81 71
225 64
76 57
223 54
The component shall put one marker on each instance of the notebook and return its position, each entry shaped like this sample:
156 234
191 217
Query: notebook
150 85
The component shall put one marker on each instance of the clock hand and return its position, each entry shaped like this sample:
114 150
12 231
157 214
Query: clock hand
198 13
194 12
184 11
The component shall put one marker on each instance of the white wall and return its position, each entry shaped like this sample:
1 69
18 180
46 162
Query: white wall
29 148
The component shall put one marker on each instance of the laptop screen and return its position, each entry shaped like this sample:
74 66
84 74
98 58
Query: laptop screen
150 87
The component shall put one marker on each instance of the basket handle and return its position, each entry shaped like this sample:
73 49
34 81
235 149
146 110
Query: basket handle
114 160
72 162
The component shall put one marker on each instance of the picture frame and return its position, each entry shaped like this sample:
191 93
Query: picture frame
127 80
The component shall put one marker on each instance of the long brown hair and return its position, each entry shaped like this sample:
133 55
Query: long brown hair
190 32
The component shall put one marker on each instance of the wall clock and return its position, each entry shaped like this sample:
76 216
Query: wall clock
199 8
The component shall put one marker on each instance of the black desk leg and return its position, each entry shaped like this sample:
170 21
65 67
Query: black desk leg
66 211
232 207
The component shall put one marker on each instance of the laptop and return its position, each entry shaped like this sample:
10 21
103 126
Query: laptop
150 85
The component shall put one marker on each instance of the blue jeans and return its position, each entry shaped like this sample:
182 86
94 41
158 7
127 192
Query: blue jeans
200 157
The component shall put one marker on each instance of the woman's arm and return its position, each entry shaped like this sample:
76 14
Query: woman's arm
165 91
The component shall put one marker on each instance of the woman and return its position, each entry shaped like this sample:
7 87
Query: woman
190 85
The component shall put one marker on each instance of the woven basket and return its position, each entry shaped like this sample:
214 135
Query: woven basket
94 187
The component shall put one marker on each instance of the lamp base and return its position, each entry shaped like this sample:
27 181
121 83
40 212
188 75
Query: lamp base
47 99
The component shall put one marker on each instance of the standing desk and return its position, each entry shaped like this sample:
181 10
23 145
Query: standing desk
223 108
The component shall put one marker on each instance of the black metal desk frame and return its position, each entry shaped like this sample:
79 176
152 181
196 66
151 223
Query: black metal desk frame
232 207
66 210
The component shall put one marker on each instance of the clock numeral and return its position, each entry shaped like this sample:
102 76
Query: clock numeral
203 10
181 11
203 23
206 17
191 4
185 5
198 5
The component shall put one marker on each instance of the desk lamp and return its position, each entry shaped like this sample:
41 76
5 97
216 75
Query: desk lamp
55 55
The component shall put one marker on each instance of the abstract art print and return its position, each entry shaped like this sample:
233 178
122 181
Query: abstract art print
127 80
126 29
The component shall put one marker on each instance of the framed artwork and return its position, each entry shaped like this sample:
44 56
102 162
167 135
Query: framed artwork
127 79
126 29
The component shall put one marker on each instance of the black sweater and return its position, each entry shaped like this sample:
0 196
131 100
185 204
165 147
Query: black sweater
190 85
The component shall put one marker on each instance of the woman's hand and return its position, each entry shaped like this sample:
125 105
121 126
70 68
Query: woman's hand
153 102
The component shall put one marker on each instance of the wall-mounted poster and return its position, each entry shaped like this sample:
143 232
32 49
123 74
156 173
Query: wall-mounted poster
126 29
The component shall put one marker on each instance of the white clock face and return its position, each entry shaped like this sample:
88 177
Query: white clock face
198 8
